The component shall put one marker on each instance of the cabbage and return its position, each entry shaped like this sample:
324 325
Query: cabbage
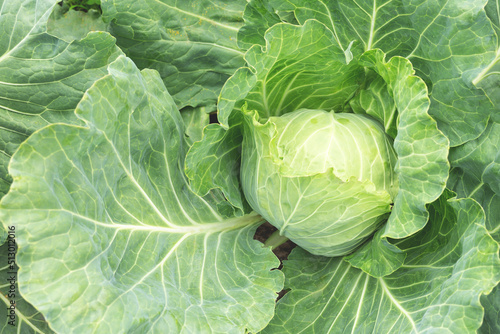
325 180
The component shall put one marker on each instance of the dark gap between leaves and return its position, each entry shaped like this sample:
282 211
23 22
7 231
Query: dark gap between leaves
263 232
213 118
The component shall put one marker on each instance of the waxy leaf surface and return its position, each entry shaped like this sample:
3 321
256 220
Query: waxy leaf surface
192 44
42 77
448 42
449 265
106 213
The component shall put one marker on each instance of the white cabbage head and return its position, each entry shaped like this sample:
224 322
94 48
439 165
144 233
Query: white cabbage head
325 180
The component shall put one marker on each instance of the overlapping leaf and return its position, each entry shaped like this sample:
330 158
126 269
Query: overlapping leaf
283 77
445 41
300 67
214 162
450 263
192 44
106 214
475 174
195 120
42 77
487 76
26 319
476 165
69 25
258 16
491 304
418 144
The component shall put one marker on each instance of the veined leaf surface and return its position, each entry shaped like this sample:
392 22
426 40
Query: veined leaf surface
42 77
446 41
476 165
26 319
106 213
450 263
191 43
475 174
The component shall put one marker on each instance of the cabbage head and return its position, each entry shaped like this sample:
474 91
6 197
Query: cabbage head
325 180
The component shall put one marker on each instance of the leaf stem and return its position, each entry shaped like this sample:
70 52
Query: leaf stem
275 240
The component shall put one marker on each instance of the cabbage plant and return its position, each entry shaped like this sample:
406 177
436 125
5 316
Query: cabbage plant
143 148
326 180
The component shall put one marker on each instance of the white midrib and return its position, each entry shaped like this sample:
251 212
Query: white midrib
146 275
228 224
484 72
335 35
200 17
397 304
372 26
35 25
358 312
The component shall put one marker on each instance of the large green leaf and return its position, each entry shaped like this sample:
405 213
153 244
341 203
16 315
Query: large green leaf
192 43
259 16
422 166
283 77
106 214
214 162
25 318
450 264
421 148
475 174
488 77
300 67
42 77
445 41
491 304
477 165
71 24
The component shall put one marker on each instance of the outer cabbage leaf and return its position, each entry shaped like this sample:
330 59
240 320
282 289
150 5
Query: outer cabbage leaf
300 67
195 120
418 144
214 162
378 256
487 77
375 99
259 16
422 166
106 213
42 77
285 77
475 173
69 25
27 319
450 264
491 304
481 180
191 43
445 40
